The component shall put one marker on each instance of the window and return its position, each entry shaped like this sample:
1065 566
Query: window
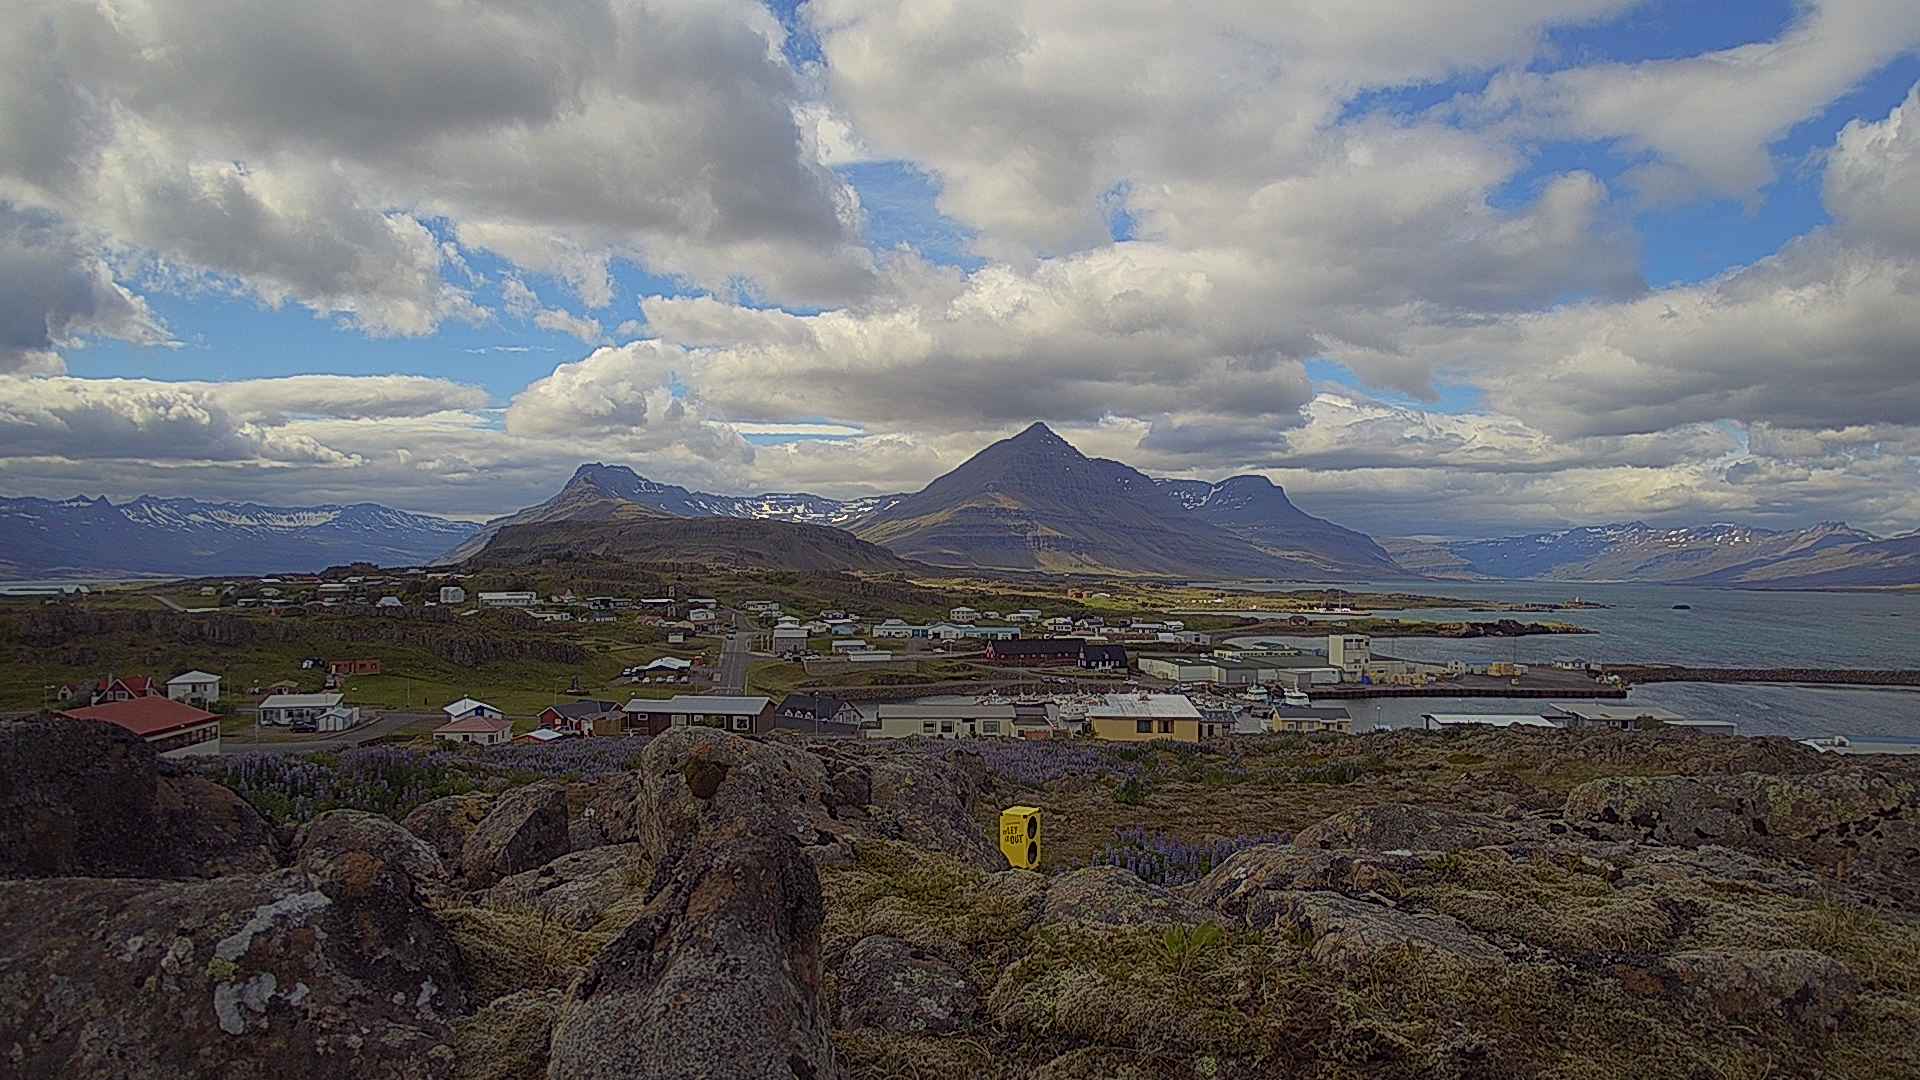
740 723
1143 727
946 727
990 727
1166 727
928 727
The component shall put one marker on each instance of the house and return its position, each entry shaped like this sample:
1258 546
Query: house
963 615
194 687
788 639
172 728
662 669
1035 651
942 721
280 710
1619 717
1444 721
468 707
452 594
897 628
842 627
700 615
746 714
115 688
475 729
584 718
390 602
1311 719
343 668
338 718
1141 717
819 714
849 645
541 735
1103 657
508 599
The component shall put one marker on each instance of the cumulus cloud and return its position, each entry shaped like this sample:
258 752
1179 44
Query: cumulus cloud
295 151
1705 123
53 293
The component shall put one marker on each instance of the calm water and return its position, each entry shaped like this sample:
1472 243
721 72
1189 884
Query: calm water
1724 628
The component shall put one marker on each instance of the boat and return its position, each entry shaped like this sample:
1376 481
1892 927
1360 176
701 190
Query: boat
1683 607
1296 698
1256 693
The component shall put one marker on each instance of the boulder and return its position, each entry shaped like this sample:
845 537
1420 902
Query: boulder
1403 827
719 977
693 779
1349 934
525 829
88 798
1021 893
336 972
1111 896
337 834
1256 885
1804 986
888 984
1860 826
445 824
575 890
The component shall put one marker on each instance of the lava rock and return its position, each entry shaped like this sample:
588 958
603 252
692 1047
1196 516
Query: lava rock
445 824
525 829
888 984
1741 984
575 890
1111 896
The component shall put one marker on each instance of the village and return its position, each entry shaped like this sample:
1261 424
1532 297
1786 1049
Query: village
752 666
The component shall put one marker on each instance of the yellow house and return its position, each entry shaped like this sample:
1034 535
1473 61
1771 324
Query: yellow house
1142 717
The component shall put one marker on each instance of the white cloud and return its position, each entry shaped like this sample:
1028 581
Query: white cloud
54 294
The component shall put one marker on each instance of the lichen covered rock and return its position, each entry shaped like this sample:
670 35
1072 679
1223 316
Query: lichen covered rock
526 828
446 823
575 890
888 984
1111 896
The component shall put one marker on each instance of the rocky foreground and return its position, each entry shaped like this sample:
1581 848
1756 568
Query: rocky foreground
1490 905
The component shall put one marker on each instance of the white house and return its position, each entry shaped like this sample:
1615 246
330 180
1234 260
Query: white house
963 614
338 718
452 594
700 615
468 707
477 730
894 628
788 639
508 599
194 687
282 709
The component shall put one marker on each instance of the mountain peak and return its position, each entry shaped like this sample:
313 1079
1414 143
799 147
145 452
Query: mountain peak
1039 432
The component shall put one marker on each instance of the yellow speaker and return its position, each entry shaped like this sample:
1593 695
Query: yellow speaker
1020 836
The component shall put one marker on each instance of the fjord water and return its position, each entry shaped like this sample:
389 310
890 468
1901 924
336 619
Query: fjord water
1718 628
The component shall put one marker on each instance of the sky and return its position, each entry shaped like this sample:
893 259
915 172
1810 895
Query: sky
1448 268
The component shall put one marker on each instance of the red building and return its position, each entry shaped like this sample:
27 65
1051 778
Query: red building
114 688
353 667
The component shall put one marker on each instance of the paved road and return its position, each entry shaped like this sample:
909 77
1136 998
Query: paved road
734 656
387 724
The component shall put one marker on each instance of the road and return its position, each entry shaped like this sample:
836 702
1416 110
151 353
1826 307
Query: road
734 657
387 724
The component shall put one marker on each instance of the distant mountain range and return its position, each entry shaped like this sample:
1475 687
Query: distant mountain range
1030 502
1827 555
82 536
742 543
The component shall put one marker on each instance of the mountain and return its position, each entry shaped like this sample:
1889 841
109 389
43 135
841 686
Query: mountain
81 536
1828 553
601 492
1426 558
1034 502
742 543
1256 509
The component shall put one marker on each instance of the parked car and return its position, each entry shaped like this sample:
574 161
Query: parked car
305 726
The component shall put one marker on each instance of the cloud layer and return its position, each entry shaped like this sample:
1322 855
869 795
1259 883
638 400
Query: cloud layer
1324 242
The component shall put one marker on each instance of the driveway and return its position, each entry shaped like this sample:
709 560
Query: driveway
288 743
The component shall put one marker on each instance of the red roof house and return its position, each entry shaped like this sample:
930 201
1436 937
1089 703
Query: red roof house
172 728
126 688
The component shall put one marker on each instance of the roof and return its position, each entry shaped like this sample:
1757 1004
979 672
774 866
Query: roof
144 716
670 663
1310 712
1144 706
1039 646
300 701
476 725
1490 719
544 734
1104 652
194 677
1589 711
1864 744
945 712
466 705
138 684
574 710
701 703
823 705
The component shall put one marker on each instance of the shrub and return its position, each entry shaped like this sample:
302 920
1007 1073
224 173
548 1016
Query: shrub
1166 860
1133 791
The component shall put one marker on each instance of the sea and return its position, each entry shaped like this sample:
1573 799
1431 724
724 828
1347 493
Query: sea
1674 624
